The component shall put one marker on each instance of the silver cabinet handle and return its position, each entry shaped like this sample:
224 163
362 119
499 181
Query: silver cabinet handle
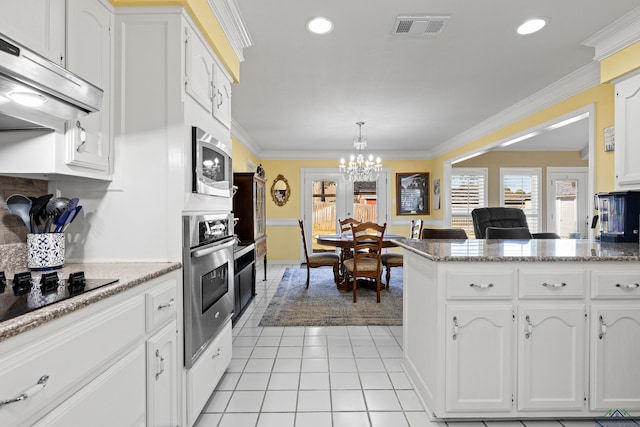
217 353
628 285
554 285
529 327
83 135
167 305
455 328
160 364
485 286
603 327
28 392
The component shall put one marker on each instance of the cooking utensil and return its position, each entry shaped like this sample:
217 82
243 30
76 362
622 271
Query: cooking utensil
37 212
64 217
72 217
20 205
54 208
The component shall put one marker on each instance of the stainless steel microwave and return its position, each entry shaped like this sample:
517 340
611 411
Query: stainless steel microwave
212 173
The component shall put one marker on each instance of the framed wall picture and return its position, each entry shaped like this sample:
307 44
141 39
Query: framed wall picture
412 193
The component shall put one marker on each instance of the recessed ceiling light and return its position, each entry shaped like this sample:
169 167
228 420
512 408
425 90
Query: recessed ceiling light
320 25
28 99
531 26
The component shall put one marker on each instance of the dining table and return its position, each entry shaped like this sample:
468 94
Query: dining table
345 243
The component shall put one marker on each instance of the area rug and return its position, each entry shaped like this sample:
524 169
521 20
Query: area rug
324 305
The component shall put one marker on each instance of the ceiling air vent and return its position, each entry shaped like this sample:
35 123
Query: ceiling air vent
419 26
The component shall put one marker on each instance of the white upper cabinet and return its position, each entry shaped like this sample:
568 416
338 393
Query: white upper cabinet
89 54
221 96
205 80
36 24
627 133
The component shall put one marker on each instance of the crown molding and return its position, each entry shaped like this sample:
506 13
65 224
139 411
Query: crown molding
336 155
244 138
233 26
572 84
616 36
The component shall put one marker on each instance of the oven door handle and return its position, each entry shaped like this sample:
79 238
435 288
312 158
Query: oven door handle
206 251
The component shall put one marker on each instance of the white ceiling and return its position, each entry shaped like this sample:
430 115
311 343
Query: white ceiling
304 93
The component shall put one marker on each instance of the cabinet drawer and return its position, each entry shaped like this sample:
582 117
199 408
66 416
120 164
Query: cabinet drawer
497 285
161 303
203 377
560 284
68 358
622 284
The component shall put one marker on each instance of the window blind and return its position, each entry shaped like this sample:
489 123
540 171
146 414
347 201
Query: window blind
468 192
520 188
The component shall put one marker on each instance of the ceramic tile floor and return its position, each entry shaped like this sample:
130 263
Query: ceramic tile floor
342 376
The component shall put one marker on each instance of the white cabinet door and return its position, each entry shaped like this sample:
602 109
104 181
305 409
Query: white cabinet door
115 398
89 55
615 376
552 355
221 96
199 71
36 24
162 394
627 133
479 358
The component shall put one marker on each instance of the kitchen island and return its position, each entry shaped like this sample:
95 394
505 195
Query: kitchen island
522 329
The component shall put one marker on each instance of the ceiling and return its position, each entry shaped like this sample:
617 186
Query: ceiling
300 95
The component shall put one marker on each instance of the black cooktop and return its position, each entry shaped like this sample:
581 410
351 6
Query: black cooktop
25 293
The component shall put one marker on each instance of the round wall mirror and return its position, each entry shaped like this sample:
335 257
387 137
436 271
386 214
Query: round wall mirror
280 190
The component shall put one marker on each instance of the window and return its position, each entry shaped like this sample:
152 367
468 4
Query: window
468 191
520 188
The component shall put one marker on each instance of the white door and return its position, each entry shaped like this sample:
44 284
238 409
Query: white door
479 359
552 355
616 342
567 201
328 197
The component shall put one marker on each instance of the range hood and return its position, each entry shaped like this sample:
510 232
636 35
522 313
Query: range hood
27 76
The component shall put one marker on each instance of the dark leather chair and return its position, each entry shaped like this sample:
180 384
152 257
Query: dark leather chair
497 217
545 235
510 233
444 233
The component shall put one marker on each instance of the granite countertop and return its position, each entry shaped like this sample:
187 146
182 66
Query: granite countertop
567 250
129 275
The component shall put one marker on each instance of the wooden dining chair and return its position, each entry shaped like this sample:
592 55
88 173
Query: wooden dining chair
393 259
367 249
324 259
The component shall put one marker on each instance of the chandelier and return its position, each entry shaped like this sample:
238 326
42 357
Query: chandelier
360 168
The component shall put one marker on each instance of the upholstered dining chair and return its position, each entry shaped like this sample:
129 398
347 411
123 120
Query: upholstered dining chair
324 259
366 262
393 259
497 216
511 233
444 233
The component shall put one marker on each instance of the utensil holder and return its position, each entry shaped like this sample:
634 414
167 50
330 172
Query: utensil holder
45 251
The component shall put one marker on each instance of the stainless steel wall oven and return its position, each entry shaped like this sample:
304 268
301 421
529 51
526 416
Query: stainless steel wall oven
208 279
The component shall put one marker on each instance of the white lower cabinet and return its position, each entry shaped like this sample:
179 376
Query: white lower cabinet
479 347
115 398
162 376
96 366
204 375
513 340
552 355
